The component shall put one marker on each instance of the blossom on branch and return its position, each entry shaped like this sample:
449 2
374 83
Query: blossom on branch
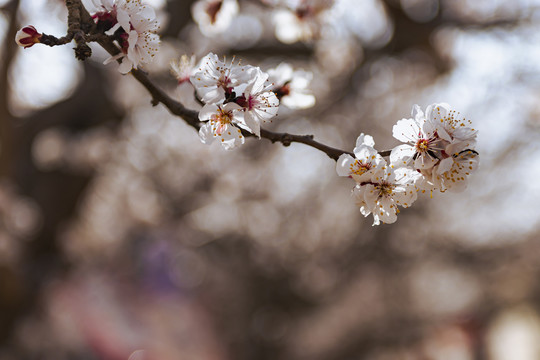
222 122
381 198
242 89
440 148
424 143
447 121
27 36
379 187
259 104
215 80
366 166
453 172
135 27
438 155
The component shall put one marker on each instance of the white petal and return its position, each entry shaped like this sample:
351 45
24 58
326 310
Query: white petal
365 140
252 123
258 80
231 138
371 195
343 165
123 19
424 161
406 196
386 211
417 112
206 134
125 66
406 130
445 165
207 111
402 155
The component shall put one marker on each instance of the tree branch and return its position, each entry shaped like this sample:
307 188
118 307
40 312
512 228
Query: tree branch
191 116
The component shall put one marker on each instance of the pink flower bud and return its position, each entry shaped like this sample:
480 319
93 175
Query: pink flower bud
27 36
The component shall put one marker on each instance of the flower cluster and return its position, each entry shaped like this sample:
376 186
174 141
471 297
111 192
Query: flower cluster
134 25
236 97
438 154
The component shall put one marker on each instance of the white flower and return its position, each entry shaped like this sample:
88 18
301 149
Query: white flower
214 16
441 145
301 22
447 121
183 69
367 165
291 87
139 22
139 43
453 172
424 143
142 49
383 197
133 14
260 105
27 36
221 124
215 80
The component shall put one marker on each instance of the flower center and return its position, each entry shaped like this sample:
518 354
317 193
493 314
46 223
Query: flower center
422 145
386 189
248 103
283 90
221 119
360 168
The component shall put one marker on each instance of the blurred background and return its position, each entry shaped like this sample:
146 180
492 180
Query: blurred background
122 236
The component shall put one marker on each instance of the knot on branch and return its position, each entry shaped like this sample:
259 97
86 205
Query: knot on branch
286 139
83 52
